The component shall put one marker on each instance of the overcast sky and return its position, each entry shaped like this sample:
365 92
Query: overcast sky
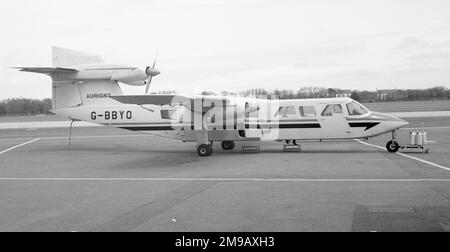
235 45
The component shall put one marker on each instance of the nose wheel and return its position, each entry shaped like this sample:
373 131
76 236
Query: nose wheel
204 150
392 146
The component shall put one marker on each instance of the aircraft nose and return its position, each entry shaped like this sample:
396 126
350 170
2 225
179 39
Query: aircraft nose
400 122
397 122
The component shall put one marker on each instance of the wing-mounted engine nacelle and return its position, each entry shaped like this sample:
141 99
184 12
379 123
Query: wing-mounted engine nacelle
135 77
151 71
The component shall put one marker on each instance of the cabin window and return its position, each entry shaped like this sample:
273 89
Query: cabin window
307 111
286 111
337 109
251 110
355 109
332 109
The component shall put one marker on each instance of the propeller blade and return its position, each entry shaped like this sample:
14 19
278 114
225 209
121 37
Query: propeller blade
154 63
149 81
150 77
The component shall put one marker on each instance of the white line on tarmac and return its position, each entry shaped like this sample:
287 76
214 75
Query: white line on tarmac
219 180
421 114
408 156
420 128
20 145
78 137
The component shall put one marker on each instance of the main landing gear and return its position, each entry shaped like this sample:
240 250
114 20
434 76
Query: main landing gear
393 146
204 150
228 145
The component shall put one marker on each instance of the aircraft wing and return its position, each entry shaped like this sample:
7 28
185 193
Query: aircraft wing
150 99
46 70
169 100
164 99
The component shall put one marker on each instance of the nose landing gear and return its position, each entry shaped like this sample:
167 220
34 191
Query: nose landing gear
393 146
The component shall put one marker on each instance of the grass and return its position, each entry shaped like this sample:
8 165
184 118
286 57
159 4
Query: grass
409 106
37 118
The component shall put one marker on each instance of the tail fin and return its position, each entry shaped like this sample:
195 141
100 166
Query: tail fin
68 90
64 58
84 93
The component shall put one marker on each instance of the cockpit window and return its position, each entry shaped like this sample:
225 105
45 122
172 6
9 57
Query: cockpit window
355 108
332 109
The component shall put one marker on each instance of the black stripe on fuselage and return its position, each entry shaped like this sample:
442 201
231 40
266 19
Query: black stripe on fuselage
367 125
247 126
149 128
284 126
300 126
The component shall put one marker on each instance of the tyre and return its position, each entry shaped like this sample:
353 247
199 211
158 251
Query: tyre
392 146
228 145
204 150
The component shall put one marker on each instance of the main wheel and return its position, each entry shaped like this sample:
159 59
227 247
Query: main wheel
204 150
392 146
228 145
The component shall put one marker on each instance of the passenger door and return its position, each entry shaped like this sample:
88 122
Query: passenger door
333 122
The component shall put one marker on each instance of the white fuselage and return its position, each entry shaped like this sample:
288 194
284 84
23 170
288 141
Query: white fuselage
270 120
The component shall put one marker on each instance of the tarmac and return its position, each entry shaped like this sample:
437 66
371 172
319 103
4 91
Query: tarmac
115 180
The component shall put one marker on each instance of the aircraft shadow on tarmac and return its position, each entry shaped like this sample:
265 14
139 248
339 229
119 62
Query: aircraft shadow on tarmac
117 148
322 151
188 151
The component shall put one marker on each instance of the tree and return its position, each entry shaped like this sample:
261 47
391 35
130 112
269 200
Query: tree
21 106
355 96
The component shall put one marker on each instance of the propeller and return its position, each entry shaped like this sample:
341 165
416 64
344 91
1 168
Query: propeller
151 72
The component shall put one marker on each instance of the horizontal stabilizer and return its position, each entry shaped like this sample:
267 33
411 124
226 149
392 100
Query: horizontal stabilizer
46 70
